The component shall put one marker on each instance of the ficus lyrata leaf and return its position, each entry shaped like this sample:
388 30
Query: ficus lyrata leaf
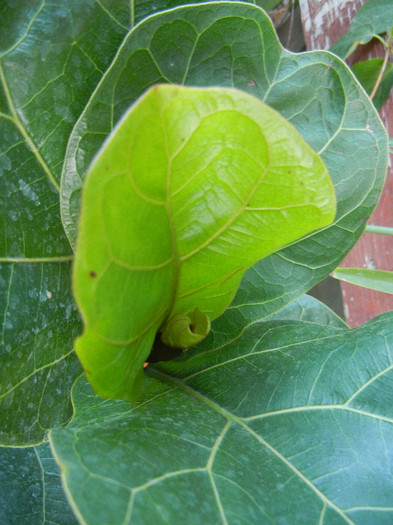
233 44
368 72
192 188
185 330
31 492
51 58
288 422
373 18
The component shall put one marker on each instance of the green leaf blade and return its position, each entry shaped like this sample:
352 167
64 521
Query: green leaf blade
38 366
62 75
176 207
31 491
373 18
334 472
235 46
375 279
51 58
368 72
303 424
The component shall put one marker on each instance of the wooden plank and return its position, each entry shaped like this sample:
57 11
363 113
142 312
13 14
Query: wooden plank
323 23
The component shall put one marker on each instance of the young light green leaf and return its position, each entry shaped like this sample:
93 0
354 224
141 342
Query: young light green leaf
373 18
288 422
375 279
192 188
185 330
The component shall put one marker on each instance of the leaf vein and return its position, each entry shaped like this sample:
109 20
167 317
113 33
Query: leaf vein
242 423
24 133
26 378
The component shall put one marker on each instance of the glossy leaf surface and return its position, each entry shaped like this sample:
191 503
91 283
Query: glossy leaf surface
31 492
193 187
373 18
38 365
288 421
268 4
52 56
234 45
50 61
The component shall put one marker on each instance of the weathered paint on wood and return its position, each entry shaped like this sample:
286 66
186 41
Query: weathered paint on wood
324 21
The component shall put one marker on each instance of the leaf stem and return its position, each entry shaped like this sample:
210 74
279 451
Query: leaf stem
383 68
291 23
385 230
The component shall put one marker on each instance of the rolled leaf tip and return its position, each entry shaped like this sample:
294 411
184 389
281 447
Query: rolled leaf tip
185 330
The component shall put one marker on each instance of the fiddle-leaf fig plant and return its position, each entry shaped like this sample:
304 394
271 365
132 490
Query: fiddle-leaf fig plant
191 189
279 413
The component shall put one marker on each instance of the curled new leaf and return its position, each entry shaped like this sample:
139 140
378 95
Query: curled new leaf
192 188
185 330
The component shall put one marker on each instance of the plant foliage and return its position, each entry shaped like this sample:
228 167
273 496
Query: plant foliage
374 18
285 412
281 412
192 188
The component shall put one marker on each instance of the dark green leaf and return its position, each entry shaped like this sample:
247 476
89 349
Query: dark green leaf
31 491
373 18
306 309
38 366
368 72
268 4
51 57
234 45
288 422
63 49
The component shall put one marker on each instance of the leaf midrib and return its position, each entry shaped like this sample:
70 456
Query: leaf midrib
34 372
37 260
242 423
178 260
17 122
28 27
